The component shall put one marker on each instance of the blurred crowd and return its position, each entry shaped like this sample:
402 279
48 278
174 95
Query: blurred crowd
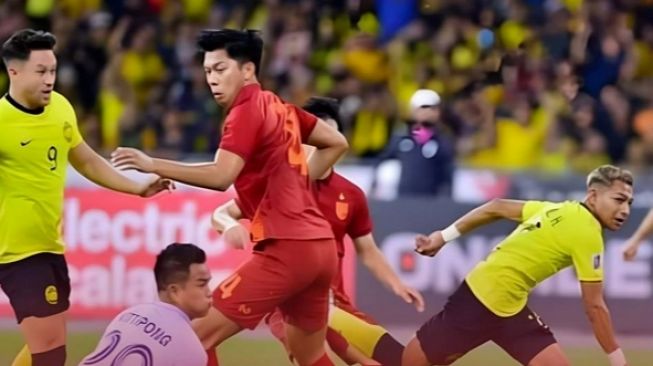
546 85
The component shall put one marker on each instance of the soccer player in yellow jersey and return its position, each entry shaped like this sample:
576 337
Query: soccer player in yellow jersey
39 136
491 303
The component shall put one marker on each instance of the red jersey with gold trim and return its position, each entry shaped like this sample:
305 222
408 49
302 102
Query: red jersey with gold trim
345 207
273 188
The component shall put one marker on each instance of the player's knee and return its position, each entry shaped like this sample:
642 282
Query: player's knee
214 328
414 355
42 336
550 356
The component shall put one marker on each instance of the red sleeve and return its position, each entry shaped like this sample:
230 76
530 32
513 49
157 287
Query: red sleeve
240 132
307 122
361 222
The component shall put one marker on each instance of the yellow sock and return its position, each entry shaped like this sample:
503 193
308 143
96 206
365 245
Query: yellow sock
358 333
24 358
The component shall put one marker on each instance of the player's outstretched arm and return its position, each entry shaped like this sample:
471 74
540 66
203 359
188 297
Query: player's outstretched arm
218 175
599 316
644 230
225 221
331 145
95 168
489 212
373 259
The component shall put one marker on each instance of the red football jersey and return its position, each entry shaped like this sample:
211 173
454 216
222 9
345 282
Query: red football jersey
273 188
345 207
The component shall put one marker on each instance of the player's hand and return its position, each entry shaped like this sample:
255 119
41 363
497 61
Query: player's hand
429 245
127 158
629 249
236 237
157 185
411 296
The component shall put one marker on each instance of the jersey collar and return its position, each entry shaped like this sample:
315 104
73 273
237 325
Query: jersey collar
246 93
591 213
173 308
22 108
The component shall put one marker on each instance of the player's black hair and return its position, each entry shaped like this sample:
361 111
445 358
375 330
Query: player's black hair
324 108
241 45
21 44
173 263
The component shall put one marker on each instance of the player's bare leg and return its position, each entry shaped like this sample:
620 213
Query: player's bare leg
414 355
307 347
550 356
46 339
214 328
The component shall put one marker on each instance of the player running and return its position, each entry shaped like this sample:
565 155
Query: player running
160 333
261 153
39 136
491 304
345 207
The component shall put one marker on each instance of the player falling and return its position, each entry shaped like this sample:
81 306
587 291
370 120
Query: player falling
295 259
160 333
491 303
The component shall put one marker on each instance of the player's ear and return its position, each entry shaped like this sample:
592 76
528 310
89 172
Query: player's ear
12 70
249 70
173 289
592 195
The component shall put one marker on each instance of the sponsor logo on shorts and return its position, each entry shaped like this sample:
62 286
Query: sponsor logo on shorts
51 295
244 309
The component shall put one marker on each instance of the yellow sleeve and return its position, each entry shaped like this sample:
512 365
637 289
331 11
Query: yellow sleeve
76 136
531 208
586 250
71 117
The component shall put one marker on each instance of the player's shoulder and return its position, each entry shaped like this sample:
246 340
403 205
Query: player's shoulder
580 219
59 99
347 184
576 209
60 104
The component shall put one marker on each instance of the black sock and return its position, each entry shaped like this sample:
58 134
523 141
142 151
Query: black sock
53 357
388 351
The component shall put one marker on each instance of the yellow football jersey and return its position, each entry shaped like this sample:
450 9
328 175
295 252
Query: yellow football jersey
551 237
33 158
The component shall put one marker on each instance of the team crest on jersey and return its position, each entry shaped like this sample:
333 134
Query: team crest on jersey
51 295
342 207
68 131
596 261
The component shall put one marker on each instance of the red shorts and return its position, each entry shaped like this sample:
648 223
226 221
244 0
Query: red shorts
293 275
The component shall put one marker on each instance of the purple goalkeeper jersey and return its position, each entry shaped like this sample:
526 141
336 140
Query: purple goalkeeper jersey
155 334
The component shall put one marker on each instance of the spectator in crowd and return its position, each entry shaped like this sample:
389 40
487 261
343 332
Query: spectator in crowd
121 66
426 153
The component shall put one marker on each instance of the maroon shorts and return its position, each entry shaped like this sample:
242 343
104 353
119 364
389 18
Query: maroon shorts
293 275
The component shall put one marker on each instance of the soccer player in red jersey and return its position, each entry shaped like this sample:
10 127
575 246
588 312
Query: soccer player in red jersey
295 258
353 335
